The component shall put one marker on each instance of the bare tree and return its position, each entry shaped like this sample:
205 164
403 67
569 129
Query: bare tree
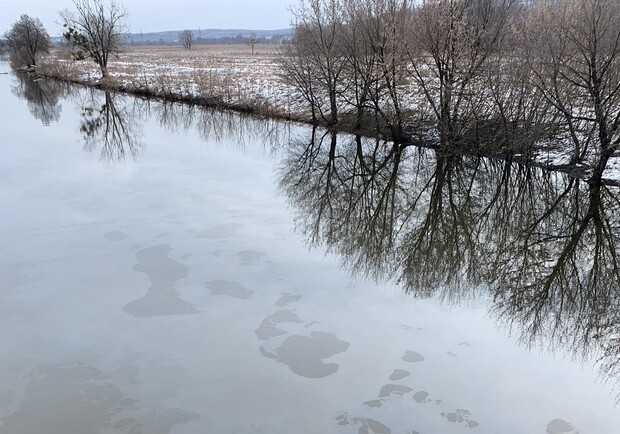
520 119
318 29
450 44
96 29
251 41
187 39
109 123
297 72
382 24
573 50
362 63
27 39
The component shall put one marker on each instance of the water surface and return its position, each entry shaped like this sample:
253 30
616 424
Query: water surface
169 270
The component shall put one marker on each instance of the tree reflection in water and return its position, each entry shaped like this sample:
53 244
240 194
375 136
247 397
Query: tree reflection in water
220 126
43 96
109 123
543 247
114 124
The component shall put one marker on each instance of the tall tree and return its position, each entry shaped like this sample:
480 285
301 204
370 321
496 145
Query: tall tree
27 39
97 30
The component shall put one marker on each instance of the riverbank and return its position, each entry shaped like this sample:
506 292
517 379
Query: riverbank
214 76
230 77
225 77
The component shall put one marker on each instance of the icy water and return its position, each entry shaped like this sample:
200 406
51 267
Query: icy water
170 270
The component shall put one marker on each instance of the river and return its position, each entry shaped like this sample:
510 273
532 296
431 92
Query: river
167 269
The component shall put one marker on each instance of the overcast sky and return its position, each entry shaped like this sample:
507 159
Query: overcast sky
156 15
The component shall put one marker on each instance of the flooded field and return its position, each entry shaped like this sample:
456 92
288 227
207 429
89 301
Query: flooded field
166 269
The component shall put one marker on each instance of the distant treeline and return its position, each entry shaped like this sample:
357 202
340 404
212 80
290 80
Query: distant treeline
223 40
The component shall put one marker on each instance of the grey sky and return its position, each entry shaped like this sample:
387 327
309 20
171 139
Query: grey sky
155 15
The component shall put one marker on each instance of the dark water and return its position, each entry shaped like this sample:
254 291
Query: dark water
166 269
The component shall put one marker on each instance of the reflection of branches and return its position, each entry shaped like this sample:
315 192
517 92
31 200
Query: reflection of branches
175 117
220 126
347 200
109 125
43 96
442 232
109 122
544 246
563 279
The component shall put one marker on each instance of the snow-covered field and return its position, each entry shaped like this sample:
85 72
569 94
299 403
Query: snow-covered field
230 73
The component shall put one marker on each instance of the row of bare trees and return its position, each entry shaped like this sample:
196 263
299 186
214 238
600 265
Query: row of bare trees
493 75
